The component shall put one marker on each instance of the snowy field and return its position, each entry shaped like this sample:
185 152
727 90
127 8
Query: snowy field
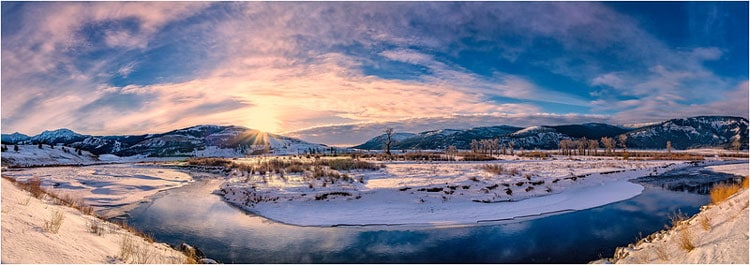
443 193
105 186
25 240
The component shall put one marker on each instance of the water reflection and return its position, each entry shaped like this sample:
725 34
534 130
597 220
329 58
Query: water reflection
191 214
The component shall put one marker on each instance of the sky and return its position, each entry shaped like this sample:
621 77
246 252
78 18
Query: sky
338 73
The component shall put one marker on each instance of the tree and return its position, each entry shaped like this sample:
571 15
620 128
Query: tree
494 145
451 151
593 145
388 140
736 144
39 145
79 152
669 147
623 142
510 146
474 146
15 147
609 145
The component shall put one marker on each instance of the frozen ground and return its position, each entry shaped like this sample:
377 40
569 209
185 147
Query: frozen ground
719 234
445 193
724 240
32 155
104 186
24 239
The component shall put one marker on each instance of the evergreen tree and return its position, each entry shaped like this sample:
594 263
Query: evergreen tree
39 145
15 147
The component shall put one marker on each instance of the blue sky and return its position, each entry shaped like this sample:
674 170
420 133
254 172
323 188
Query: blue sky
308 68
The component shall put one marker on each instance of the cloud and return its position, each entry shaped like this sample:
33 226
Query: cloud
143 67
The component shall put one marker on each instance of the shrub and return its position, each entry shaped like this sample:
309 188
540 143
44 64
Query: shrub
94 227
53 225
705 223
685 239
494 169
127 247
476 157
721 192
34 186
661 252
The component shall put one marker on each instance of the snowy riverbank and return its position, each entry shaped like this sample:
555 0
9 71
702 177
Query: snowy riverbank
443 194
719 234
25 240
110 189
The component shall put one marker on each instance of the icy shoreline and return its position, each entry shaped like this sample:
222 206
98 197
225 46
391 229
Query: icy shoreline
390 206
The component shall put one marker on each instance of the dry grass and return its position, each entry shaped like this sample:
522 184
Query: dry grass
25 201
95 227
705 222
494 169
721 192
127 247
685 239
677 219
745 182
661 252
53 225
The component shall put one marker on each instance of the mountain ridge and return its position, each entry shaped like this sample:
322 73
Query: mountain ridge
684 133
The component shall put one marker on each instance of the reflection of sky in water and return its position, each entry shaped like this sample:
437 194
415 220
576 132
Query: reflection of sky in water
193 215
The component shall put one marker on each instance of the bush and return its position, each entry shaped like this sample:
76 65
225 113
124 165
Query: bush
721 192
494 169
476 157
34 186
53 225
685 239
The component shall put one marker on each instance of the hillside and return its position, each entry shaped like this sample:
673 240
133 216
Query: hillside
202 140
688 133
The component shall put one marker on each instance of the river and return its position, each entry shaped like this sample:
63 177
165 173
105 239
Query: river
192 214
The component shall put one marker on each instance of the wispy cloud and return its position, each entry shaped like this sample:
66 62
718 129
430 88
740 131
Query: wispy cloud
136 67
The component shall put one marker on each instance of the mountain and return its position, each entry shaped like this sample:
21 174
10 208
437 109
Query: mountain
590 130
14 138
63 136
378 142
201 140
695 132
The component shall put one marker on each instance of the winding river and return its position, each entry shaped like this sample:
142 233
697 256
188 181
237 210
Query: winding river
192 214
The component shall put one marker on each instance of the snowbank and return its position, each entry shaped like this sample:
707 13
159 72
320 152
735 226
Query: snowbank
736 169
24 239
105 186
719 234
444 193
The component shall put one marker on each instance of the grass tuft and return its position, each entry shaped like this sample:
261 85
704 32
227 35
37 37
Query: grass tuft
53 225
721 192
685 239
705 223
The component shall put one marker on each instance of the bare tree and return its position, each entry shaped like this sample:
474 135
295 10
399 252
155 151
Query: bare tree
474 146
388 140
623 142
736 145
494 145
669 147
510 145
609 145
581 144
565 146
451 151
593 146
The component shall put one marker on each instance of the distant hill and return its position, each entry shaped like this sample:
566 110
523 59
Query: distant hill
694 132
202 140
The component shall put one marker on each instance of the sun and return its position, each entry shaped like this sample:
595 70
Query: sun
263 119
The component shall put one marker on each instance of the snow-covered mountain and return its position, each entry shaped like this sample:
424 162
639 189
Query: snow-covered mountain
695 132
14 138
201 140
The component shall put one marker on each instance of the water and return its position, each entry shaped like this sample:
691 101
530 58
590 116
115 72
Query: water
191 214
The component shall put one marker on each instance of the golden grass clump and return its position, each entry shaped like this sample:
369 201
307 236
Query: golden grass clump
685 239
721 192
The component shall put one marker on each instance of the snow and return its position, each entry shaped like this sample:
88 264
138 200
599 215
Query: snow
24 239
31 155
725 241
104 186
407 193
736 169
